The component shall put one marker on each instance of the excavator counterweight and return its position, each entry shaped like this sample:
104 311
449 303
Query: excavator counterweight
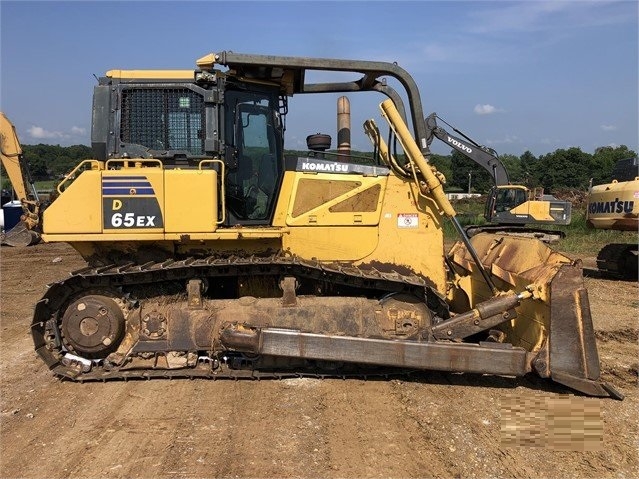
615 206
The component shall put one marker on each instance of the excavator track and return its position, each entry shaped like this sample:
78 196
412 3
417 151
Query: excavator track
130 282
618 260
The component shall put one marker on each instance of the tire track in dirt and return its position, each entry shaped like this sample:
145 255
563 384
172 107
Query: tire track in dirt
271 430
470 416
367 433
460 431
93 425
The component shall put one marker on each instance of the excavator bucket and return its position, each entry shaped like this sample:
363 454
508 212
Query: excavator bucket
20 235
554 325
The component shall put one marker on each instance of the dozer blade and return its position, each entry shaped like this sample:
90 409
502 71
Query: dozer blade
20 235
555 325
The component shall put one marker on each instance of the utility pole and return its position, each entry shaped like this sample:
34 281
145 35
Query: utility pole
469 177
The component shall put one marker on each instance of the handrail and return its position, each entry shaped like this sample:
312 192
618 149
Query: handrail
223 192
137 162
95 165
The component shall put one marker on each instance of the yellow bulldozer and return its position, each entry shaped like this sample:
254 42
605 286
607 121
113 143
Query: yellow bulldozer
210 253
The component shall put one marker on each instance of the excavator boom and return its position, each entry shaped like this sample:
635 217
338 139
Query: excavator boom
485 157
25 233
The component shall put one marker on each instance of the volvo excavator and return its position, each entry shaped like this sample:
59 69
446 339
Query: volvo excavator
510 209
212 254
27 231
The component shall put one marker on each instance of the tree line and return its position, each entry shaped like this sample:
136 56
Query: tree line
569 168
564 168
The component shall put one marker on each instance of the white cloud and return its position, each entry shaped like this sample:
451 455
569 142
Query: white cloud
608 127
485 109
39 133
547 15
504 141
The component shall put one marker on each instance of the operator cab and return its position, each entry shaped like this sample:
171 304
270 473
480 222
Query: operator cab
503 199
508 198
253 155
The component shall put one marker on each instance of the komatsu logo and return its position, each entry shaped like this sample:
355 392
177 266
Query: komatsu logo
458 144
616 206
330 167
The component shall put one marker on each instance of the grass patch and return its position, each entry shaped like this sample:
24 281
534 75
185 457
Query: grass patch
583 240
45 185
580 239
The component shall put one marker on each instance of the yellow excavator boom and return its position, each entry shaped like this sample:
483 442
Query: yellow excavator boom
25 232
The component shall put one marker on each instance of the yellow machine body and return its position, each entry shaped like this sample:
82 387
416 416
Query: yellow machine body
615 206
516 204
212 253
27 231
377 220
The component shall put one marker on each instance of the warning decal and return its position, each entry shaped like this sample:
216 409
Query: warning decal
407 220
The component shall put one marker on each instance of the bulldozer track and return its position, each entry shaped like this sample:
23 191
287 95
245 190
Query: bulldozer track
127 278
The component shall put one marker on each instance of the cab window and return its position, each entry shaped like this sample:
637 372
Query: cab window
254 169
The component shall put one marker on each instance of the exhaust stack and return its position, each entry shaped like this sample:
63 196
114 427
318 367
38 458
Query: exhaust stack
344 128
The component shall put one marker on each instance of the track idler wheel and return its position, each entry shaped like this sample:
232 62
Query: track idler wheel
93 326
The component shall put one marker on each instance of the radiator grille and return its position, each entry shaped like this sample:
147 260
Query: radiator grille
163 119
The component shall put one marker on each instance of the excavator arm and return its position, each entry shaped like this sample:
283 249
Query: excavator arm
509 208
25 232
485 157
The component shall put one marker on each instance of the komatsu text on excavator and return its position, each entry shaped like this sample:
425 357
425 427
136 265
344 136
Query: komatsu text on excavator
615 206
212 254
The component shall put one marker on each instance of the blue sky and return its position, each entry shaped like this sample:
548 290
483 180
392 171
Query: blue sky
514 76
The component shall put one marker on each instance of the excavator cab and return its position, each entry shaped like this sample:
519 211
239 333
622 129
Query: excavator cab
504 198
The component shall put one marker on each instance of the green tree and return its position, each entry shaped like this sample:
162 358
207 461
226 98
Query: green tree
513 166
604 160
49 161
565 169
529 169
465 169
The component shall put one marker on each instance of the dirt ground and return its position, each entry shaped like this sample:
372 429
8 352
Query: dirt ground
431 425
